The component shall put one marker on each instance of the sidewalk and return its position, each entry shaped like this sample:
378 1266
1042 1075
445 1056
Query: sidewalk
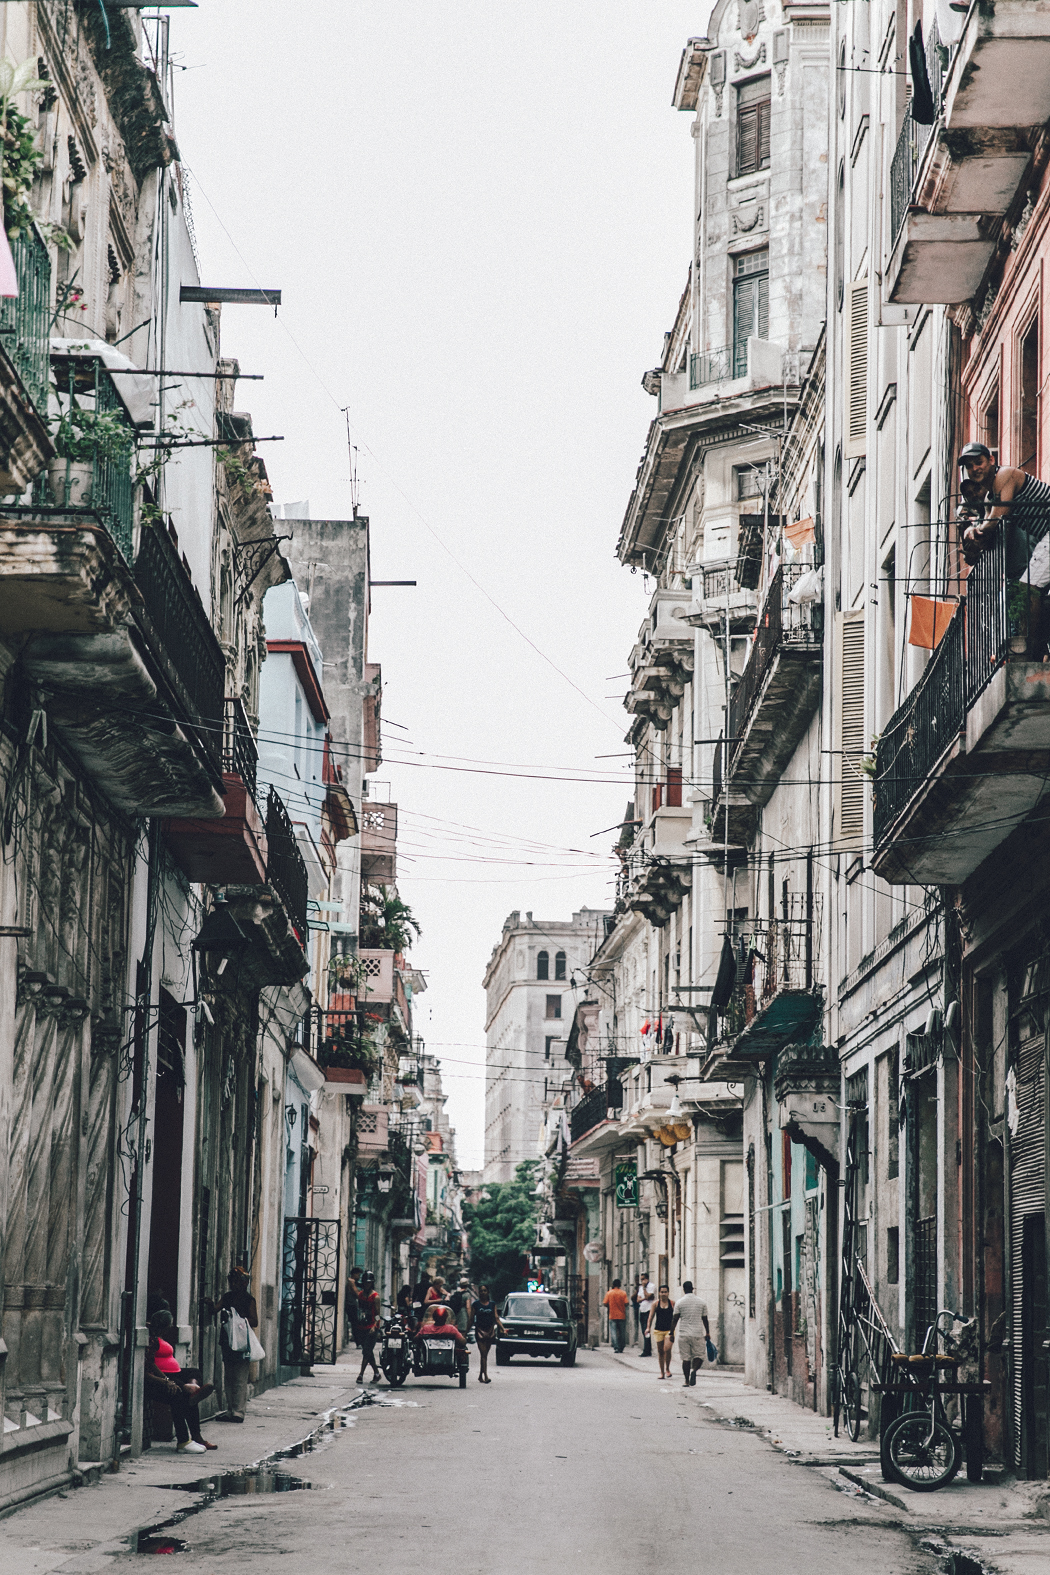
79 1532
957 1517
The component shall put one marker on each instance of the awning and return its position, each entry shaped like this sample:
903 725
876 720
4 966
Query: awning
790 1015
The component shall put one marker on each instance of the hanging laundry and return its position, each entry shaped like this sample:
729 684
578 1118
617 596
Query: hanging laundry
929 621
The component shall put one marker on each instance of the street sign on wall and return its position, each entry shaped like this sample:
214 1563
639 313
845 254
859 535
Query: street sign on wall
579 1168
627 1184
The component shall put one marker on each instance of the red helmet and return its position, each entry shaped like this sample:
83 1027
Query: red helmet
441 1314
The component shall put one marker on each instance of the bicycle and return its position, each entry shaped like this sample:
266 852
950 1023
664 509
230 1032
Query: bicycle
920 1448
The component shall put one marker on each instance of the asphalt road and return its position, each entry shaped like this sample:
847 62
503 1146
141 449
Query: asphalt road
592 1469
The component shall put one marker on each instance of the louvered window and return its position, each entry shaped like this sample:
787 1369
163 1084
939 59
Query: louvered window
752 126
857 369
750 305
850 706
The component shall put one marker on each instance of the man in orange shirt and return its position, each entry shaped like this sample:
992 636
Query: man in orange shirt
616 1302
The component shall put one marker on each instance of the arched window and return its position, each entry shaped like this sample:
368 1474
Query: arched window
543 965
559 966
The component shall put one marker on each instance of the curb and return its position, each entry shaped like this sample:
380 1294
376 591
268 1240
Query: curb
875 1488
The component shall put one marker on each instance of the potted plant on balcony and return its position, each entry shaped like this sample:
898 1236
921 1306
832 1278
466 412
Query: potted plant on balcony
387 923
82 438
346 1054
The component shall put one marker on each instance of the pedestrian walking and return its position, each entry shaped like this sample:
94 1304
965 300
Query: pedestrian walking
646 1295
235 1364
486 1321
460 1304
661 1319
353 1292
616 1302
368 1326
693 1330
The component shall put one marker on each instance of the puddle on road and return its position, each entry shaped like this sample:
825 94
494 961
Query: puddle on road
261 1477
235 1484
147 1542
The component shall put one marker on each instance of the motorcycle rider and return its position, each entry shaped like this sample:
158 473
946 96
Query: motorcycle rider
442 1328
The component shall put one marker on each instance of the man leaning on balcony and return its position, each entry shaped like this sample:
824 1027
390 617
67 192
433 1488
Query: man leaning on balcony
1023 502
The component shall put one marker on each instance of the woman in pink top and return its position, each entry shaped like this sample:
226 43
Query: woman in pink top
179 1388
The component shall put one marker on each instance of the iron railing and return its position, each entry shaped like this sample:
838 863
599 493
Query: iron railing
710 366
780 622
111 497
25 318
185 637
925 1281
240 753
975 644
593 1108
285 865
771 956
911 144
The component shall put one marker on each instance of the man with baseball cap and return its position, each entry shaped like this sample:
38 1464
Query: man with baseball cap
1014 496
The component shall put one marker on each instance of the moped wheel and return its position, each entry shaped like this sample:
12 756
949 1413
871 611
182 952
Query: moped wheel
463 1378
922 1452
396 1377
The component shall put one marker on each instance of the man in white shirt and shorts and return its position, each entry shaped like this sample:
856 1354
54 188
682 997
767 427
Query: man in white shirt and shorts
693 1329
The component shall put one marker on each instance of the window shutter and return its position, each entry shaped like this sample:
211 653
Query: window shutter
762 303
849 706
857 363
763 134
747 129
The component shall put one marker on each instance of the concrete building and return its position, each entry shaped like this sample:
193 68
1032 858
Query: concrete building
532 982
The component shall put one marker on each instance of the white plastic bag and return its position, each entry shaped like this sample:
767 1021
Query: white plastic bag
256 1353
235 1332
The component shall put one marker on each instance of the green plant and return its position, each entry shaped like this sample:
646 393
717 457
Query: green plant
85 435
347 971
386 921
237 472
358 1054
502 1228
20 158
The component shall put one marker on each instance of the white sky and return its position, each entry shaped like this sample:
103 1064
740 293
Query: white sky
479 215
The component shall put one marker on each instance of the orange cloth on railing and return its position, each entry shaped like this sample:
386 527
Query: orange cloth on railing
929 621
801 533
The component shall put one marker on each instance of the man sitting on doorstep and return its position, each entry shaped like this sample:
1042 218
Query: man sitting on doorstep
694 1331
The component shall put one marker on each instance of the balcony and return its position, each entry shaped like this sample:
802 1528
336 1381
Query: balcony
952 184
231 850
776 999
662 660
657 871
965 758
595 1110
719 374
378 842
285 866
377 977
373 1130
775 698
718 595
25 319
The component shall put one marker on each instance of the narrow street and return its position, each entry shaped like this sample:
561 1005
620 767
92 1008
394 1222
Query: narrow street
623 1471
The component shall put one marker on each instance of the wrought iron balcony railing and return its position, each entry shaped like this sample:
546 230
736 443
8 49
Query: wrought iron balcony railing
911 144
25 318
88 387
974 646
594 1107
285 865
240 753
780 622
711 366
184 637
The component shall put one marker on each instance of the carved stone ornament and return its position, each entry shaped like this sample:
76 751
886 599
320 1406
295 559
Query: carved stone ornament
758 58
748 217
780 67
750 14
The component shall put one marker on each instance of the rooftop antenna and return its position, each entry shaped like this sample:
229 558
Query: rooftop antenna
352 451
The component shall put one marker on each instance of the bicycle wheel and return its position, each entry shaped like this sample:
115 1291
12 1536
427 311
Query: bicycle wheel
922 1451
852 1403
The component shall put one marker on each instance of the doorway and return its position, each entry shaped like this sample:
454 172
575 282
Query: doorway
166 1206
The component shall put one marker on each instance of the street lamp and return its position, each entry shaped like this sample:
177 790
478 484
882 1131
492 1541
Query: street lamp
384 1178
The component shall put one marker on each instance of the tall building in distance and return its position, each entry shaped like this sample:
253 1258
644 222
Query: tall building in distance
532 982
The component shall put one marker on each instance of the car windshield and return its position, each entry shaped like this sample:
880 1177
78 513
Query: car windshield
536 1309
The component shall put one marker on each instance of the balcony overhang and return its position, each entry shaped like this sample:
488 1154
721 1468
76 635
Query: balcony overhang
251 927
940 258
789 1015
987 780
714 416
782 711
60 576
231 850
1001 72
25 442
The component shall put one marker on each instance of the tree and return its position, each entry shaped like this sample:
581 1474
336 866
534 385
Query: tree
502 1229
